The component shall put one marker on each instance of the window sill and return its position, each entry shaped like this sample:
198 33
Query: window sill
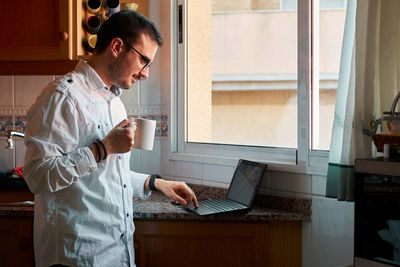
318 160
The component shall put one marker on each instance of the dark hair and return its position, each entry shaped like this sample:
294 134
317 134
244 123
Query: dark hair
127 25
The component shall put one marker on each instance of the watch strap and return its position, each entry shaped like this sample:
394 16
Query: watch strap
152 180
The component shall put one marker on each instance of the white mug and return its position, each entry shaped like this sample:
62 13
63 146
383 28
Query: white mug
144 134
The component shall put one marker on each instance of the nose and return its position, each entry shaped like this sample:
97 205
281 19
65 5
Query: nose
144 74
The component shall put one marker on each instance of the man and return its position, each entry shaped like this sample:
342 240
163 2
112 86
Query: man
77 159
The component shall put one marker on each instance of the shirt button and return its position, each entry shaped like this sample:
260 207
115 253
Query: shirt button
98 126
69 80
124 185
119 157
127 215
122 234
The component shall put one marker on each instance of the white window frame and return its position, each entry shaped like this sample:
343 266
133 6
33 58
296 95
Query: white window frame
300 160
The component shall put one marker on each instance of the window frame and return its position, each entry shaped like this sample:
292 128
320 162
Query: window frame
300 160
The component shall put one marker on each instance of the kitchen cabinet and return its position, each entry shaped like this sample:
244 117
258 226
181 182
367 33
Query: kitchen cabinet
40 37
15 195
45 37
16 242
37 30
185 243
175 243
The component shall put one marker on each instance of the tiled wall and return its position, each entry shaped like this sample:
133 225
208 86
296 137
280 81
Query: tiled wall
18 93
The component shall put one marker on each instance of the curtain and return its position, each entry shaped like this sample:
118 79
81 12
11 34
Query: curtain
368 82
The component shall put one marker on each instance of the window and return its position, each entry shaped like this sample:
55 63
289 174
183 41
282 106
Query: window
240 91
327 45
323 4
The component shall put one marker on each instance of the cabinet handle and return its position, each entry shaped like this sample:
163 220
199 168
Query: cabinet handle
63 36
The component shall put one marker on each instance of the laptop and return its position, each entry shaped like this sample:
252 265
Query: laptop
242 190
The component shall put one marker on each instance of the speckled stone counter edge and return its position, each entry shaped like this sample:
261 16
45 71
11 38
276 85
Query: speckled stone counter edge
158 207
265 208
295 205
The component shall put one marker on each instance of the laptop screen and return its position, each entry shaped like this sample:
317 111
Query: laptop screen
245 181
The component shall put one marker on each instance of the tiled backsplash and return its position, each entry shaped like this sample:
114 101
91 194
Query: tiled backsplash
162 122
18 124
18 93
6 123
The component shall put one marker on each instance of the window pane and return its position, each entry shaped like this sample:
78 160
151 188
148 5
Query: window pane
328 45
242 73
332 4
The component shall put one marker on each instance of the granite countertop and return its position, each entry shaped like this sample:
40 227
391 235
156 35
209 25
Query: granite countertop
159 207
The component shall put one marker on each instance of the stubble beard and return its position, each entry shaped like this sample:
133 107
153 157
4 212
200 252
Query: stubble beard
114 72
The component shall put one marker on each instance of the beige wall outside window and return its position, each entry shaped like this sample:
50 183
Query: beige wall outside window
242 72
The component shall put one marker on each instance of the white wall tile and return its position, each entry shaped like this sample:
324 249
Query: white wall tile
165 80
150 161
165 51
216 184
150 89
170 178
288 194
218 173
154 11
144 161
265 184
7 156
20 151
188 169
135 160
6 91
188 180
332 232
290 182
167 166
318 185
131 97
28 88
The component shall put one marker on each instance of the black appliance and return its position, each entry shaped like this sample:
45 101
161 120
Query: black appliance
377 213
6 182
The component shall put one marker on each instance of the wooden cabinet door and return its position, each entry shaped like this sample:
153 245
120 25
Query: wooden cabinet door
15 195
16 242
200 244
36 30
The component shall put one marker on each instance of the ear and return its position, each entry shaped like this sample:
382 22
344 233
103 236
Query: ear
116 46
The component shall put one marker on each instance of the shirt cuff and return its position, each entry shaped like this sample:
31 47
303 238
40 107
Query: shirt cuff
84 161
138 181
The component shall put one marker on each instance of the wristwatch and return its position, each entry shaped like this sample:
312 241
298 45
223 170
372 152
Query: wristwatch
151 181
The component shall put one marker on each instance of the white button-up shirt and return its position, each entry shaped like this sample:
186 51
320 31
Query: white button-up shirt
83 209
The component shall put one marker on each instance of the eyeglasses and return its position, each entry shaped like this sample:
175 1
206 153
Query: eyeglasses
144 58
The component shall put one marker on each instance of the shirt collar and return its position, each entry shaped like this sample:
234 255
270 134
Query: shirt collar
93 79
91 76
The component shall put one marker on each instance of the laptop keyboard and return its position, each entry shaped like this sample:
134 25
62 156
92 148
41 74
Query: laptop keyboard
220 205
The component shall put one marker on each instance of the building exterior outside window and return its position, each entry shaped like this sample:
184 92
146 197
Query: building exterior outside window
242 60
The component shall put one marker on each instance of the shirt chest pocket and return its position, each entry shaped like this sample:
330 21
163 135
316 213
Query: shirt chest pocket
96 131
